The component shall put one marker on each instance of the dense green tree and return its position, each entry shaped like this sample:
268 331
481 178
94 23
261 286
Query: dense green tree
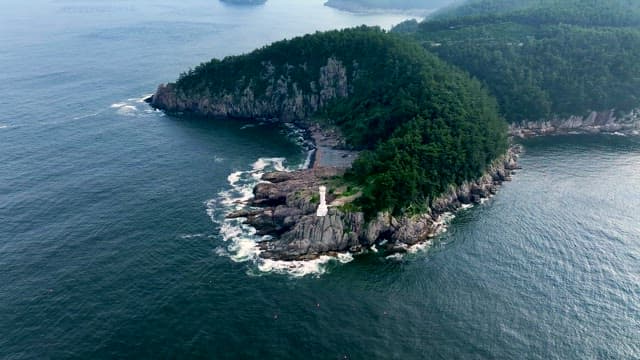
423 124
544 58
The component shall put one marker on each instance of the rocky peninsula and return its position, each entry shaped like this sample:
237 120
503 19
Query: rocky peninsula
284 203
284 207
401 138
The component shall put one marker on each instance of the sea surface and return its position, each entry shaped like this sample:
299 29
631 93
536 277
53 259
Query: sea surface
113 243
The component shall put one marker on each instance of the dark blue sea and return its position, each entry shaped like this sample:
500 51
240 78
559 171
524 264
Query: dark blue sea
113 243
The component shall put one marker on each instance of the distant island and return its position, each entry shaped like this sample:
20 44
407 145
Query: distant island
402 5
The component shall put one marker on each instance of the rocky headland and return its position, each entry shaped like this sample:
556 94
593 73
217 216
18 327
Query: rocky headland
284 98
393 107
284 207
284 203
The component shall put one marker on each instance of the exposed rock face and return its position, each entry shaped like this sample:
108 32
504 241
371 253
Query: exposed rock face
595 122
283 98
287 207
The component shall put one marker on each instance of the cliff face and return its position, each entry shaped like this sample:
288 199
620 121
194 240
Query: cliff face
283 98
595 122
284 207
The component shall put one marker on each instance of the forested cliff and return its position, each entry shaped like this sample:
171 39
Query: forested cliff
424 125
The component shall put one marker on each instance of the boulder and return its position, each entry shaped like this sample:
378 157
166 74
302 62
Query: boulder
267 194
243 213
278 176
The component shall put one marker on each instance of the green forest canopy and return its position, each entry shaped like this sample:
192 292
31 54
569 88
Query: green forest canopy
424 125
543 58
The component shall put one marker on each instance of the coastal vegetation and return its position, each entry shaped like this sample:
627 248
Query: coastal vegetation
423 125
542 58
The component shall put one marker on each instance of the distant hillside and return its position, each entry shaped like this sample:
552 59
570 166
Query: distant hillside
576 12
543 58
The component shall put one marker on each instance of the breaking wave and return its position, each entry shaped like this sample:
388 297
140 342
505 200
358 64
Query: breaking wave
241 241
133 107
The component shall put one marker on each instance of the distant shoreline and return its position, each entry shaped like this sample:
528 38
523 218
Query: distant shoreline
356 8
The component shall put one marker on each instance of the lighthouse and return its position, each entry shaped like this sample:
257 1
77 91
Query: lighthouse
322 208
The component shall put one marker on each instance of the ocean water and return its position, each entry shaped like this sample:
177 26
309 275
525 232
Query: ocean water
112 243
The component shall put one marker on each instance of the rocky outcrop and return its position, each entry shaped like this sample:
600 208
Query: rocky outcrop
594 123
285 203
283 98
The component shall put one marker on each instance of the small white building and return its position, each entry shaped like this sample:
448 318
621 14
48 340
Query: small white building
322 208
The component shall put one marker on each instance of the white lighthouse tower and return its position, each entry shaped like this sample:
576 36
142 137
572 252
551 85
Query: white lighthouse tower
322 208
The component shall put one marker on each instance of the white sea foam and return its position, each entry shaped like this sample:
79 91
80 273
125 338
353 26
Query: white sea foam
234 177
241 240
127 110
237 196
263 163
3 126
396 257
191 236
345 258
124 108
447 217
243 248
86 116
294 268
210 205
141 99
302 268
131 106
221 251
419 247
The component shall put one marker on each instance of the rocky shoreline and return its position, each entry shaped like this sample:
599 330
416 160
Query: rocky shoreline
284 205
603 122
283 209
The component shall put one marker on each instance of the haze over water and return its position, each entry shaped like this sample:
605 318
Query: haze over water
111 244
